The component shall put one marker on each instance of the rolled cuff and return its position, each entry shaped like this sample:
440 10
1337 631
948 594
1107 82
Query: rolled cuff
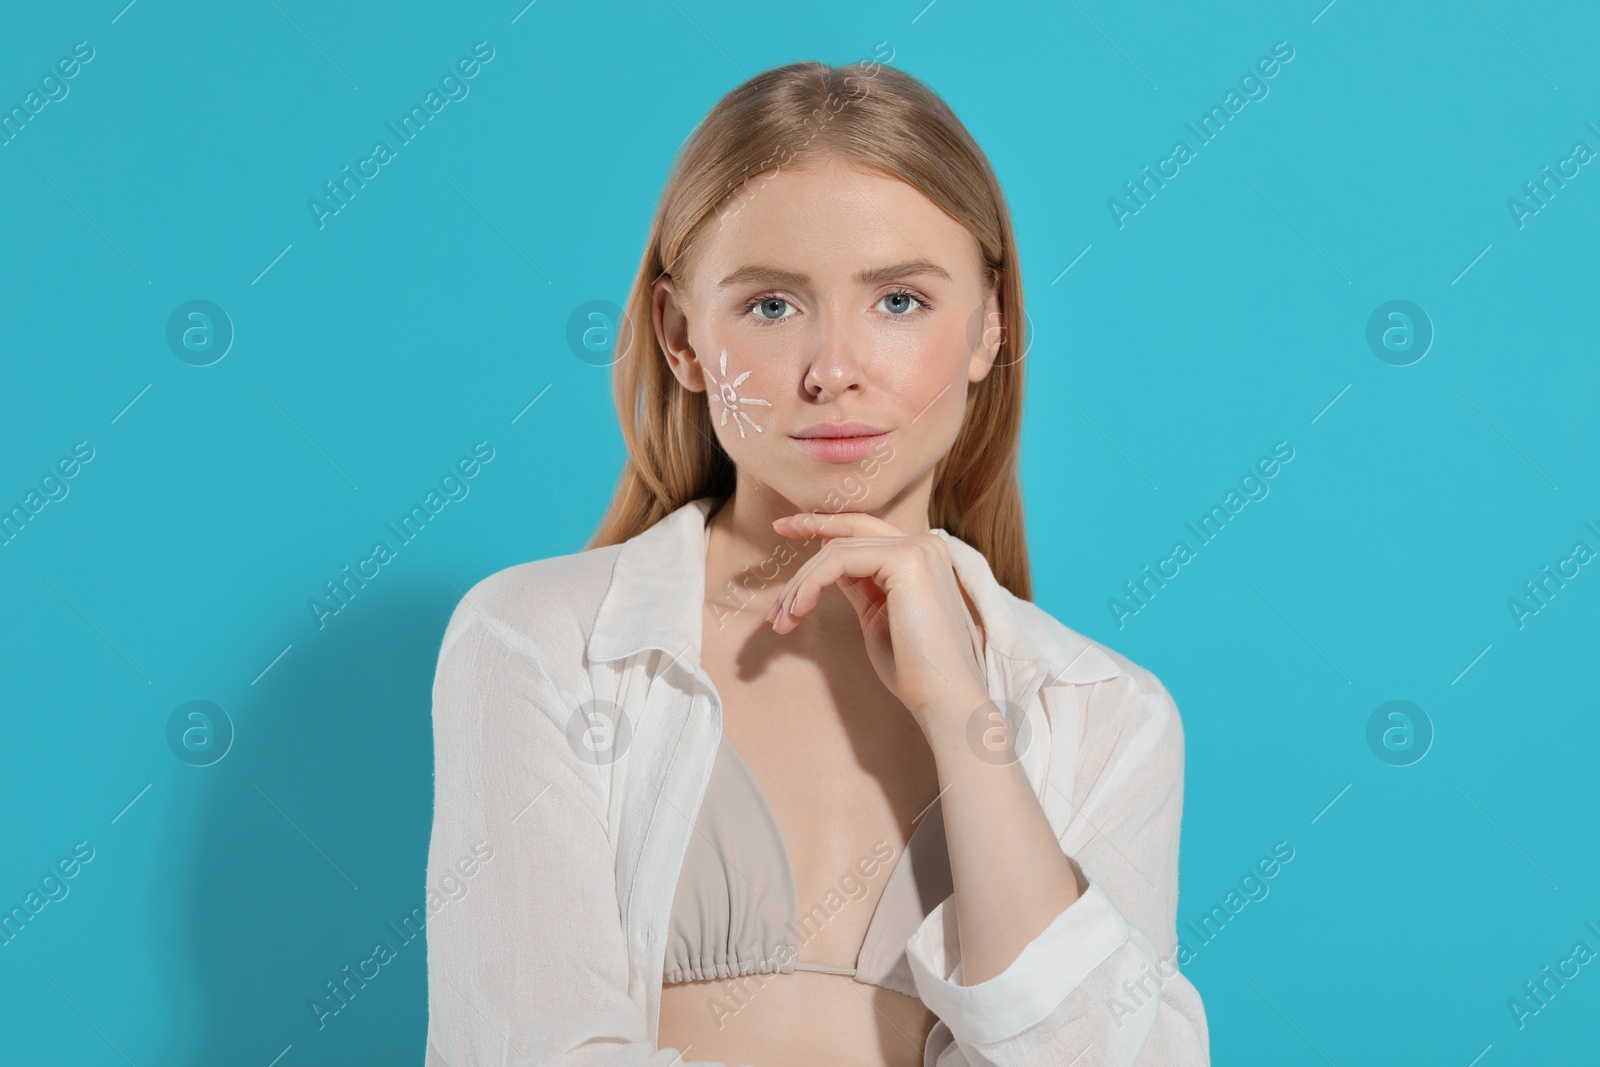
1049 967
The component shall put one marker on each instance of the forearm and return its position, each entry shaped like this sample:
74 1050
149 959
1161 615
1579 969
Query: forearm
1011 878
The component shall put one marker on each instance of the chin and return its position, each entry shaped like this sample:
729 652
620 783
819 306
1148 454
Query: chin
844 488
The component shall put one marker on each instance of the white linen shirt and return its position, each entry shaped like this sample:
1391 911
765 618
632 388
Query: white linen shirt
552 950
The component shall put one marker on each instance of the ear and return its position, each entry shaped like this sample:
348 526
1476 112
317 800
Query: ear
670 321
990 338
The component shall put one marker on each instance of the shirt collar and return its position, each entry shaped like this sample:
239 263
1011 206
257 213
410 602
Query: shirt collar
657 594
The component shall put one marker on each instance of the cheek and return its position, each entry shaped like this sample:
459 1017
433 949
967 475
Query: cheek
932 390
743 385
916 371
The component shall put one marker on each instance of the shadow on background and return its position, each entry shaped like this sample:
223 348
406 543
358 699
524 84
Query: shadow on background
281 902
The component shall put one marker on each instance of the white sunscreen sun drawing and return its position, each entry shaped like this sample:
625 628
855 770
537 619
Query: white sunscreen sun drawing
728 393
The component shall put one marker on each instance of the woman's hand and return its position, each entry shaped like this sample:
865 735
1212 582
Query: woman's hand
1009 886
919 635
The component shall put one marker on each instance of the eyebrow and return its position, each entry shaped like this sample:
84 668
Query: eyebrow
870 276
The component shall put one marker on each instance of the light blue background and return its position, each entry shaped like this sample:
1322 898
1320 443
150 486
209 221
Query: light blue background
1229 314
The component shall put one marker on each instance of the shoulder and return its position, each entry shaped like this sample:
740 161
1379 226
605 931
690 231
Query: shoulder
545 605
1129 750
1124 696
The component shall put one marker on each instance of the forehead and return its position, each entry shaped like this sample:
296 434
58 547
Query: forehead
829 221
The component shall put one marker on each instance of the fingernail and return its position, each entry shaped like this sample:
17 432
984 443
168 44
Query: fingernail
773 610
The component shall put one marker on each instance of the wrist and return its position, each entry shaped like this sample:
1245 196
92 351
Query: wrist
951 724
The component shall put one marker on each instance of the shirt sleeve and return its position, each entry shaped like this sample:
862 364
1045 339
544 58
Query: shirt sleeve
1100 984
527 956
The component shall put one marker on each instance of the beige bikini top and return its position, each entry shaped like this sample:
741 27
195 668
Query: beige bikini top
736 908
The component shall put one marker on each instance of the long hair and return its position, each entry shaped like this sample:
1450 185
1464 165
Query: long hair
881 120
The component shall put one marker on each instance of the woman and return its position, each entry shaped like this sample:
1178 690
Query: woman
785 767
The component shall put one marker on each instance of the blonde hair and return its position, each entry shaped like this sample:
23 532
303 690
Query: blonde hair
881 120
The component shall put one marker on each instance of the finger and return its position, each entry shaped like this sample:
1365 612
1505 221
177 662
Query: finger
837 524
860 558
863 596
797 581
851 559
792 584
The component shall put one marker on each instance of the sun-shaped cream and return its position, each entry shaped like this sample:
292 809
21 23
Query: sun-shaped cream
728 393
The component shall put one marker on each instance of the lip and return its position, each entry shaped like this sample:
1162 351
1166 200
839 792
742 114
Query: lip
827 443
841 429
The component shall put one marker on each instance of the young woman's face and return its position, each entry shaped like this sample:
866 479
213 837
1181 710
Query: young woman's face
829 296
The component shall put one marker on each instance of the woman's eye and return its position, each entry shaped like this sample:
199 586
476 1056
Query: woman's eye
899 303
771 307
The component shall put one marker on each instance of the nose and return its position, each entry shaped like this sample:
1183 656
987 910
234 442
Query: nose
837 365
